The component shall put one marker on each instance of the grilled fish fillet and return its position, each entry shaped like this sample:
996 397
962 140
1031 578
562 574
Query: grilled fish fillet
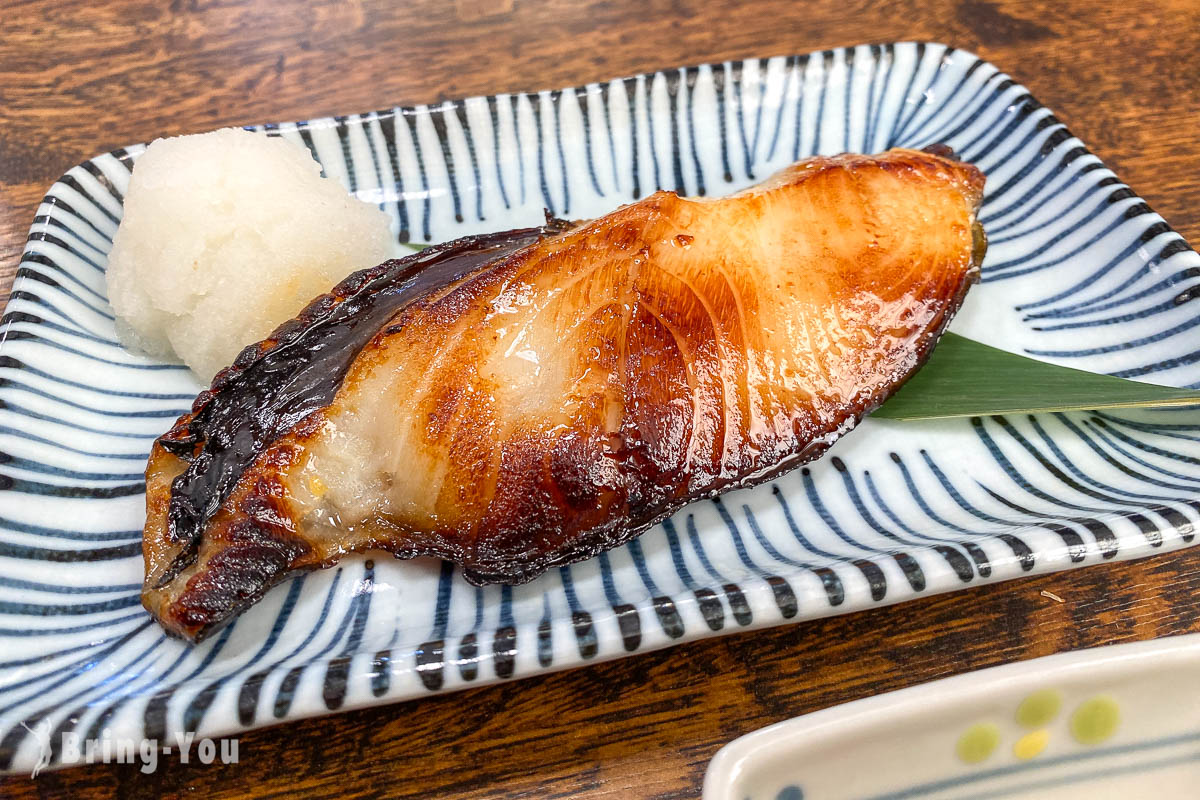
522 400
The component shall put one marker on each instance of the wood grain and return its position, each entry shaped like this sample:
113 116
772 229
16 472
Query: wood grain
77 79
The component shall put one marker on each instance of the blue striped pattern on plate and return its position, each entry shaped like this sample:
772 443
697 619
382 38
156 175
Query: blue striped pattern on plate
1080 271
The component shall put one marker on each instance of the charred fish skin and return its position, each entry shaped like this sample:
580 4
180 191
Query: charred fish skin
271 388
563 395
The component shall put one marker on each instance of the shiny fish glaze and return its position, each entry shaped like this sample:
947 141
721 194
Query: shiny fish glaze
564 396
278 382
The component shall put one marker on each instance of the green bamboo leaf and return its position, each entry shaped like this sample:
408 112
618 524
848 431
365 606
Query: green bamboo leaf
964 378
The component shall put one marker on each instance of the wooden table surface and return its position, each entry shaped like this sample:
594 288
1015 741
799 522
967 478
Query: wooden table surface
77 79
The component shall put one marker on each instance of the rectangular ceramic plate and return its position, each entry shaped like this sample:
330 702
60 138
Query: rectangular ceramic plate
1080 271
1113 722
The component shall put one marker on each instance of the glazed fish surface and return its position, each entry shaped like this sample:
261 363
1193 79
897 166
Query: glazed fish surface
517 401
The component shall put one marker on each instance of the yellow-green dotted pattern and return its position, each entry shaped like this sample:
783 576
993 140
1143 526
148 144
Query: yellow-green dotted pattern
1095 720
1032 744
978 742
1039 709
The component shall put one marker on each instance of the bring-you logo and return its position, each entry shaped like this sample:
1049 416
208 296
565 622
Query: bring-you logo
108 749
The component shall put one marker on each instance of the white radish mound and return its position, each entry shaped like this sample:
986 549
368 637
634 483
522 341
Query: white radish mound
225 236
